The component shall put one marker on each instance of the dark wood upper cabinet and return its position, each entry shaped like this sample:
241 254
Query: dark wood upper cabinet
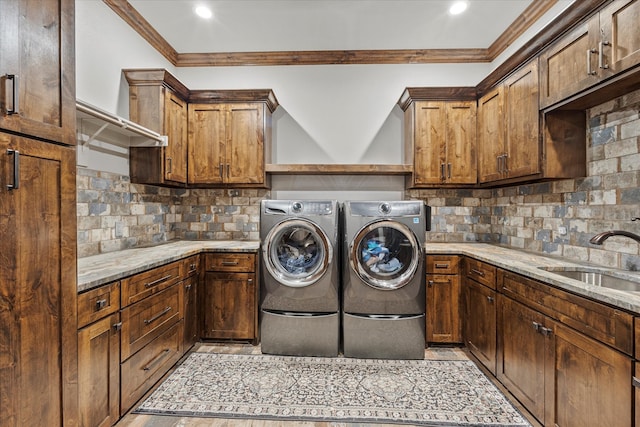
37 69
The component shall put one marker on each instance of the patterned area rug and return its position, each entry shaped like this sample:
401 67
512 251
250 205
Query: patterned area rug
419 392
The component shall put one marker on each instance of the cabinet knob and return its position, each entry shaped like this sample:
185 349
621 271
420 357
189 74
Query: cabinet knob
100 304
490 299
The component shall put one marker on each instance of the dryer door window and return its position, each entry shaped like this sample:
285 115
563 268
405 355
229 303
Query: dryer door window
385 254
297 252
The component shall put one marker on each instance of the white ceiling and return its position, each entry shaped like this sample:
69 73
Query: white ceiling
286 25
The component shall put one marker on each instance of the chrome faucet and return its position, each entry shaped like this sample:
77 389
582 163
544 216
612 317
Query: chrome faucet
599 238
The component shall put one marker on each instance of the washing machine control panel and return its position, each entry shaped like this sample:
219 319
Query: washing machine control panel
312 207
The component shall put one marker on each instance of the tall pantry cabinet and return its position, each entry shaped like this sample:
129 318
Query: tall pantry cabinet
38 340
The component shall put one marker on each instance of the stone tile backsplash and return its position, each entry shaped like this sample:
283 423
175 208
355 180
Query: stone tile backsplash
114 214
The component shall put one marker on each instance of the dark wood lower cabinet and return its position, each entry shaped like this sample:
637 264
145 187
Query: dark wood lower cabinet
443 309
228 306
190 334
481 323
591 383
523 354
99 375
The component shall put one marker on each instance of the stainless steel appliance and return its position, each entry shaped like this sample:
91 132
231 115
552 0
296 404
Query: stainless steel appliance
383 279
300 295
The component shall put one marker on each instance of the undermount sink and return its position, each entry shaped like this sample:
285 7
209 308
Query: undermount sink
593 277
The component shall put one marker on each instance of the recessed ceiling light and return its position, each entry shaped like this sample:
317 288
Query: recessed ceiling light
458 7
203 12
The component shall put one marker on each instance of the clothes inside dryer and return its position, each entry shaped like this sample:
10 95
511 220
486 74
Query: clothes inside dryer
298 250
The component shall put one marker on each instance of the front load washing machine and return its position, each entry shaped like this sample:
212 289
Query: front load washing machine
300 298
383 279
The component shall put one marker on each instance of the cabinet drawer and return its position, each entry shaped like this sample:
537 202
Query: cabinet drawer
191 266
242 262
596 320
146 367
480 272
140 286
442 264
144 321
98 303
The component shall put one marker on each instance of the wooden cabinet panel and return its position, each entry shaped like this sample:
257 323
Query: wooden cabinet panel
591 383
604 46
564 66
481 272
522 355
157 101
508 128
443 264
442 137
98 303
481 322
37 65
141 371
145 320
522 126
140 286
206 146
99 372
227 143
190 334
229 306
230 262
38 311
491 135
443 309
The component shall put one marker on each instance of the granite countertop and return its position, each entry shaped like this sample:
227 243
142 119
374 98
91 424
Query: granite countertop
100 269
530 264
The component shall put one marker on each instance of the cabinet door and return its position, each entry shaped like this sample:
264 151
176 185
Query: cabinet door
99 373
620 36
480 326
244 145
570 65
522 124
592 383
522 355
429 142
38 311
37 51
443 309
190 335
176 129
206 143
491 135
228 306
461 164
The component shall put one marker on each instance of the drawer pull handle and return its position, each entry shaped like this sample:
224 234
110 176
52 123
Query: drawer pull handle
100 304
117 326
157 282
229 263
490 299
504 288
635 381
438 282
442 265
545 331
15 94
536 326
188 287
16 169
156 359
192 268
157 316
478 272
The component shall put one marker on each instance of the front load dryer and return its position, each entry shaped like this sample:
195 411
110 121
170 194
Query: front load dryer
300 295
383 279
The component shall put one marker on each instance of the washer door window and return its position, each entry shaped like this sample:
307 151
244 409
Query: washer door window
385 254
297 252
